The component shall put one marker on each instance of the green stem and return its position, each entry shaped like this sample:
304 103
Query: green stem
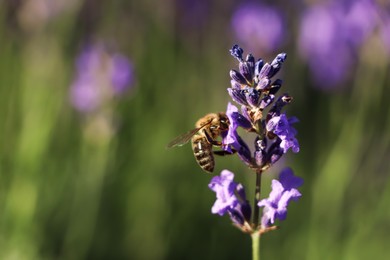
255 245
257 199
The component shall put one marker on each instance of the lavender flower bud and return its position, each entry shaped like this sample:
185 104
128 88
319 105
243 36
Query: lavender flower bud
266 101
253 97
250 60
263 83
277 63
276 155
258 66
235 84
246 71
278 105
265 71
237 52
238 96
235 75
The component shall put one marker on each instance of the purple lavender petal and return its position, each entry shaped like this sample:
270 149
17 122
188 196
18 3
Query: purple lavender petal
224 187
282 127
275 206
227 202
289 180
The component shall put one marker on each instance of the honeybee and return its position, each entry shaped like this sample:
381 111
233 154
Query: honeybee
203 138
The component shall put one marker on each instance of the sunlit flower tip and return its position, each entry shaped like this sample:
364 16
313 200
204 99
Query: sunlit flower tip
277 64
279 59
283 191
237 52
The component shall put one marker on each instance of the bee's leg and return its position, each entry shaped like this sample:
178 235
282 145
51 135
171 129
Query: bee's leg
211 140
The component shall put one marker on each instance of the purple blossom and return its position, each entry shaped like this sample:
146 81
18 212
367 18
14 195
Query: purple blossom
359 20
283 191
236 120
282 127
100 75
258 27
121 73
330 35
321 43
231 198
248 84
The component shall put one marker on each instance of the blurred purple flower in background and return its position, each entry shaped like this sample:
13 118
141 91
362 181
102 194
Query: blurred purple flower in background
330 36
385 34
258 27
192 13
100 76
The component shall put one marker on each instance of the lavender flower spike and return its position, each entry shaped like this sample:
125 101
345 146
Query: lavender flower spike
283 191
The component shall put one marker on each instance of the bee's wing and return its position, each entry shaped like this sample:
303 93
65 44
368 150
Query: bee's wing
184 138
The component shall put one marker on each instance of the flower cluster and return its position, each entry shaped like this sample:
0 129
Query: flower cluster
231 199
254 89
283 190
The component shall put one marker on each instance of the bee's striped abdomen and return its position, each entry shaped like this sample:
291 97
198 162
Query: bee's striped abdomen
203 153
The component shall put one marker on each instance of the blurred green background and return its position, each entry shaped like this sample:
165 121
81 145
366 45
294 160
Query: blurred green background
103 186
